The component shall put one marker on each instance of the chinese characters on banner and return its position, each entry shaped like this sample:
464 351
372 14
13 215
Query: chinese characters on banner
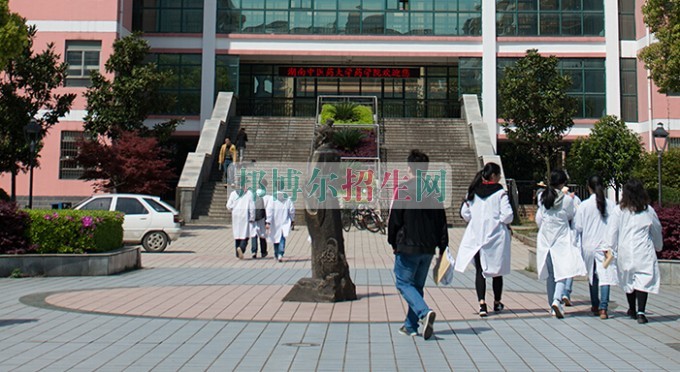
356 72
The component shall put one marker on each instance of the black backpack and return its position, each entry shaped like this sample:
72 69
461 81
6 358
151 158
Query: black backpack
260 213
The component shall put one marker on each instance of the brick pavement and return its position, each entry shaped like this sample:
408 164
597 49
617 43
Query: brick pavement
196 307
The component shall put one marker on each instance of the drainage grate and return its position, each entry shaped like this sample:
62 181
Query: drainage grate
300 344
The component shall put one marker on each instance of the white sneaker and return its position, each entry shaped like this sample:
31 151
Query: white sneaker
558 309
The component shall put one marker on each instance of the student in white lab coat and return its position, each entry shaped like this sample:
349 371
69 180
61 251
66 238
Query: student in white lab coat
557 258
280 218
242 206
591 226
635 236
487 238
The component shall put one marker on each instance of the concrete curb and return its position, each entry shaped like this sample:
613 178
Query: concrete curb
93 264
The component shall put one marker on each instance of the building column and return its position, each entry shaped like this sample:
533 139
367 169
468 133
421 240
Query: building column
612 61
208 45
489 83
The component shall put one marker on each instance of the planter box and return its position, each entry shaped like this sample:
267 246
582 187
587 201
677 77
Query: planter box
670 271
93 264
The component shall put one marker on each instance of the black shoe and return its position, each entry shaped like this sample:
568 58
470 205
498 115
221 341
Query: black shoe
642 319
482 310
631 313
254 256
498 307
264 254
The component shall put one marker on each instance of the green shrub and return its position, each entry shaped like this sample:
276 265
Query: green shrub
346 113
327 112
364 114
347 138
71 231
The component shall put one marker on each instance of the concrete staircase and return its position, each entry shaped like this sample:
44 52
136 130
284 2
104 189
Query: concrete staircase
443 140
270 139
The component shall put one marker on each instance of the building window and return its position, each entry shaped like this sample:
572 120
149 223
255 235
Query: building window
167 16
588 80
184 84
629 104
82 57
674 142
550 18
587 83
354 17
627 20
226 74
69 169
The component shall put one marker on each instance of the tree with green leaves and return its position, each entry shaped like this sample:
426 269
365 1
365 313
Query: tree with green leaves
647 172
26 85
534 105
13 34
662 58
124 102
611 151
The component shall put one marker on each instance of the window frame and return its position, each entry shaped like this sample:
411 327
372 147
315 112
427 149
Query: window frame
82 47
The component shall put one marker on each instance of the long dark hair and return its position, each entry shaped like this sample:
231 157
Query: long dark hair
557 178
595 184
635 197
485 174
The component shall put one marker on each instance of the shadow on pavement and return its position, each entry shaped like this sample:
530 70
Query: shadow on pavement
9 322
462 331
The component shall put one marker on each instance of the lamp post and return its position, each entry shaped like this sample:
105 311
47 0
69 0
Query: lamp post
32 132
660 143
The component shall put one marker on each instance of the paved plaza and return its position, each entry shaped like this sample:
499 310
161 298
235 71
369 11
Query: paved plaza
196 307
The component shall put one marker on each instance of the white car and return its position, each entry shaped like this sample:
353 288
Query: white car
148 220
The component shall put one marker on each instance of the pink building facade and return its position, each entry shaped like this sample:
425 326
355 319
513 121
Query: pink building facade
245 46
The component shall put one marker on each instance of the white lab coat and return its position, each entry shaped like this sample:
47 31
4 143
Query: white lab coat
487 232
242 209
556 237
592 231
635 237
280 215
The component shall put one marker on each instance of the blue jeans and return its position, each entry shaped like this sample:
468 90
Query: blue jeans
410 271
568 284
228 171
555 289
603 302
280 247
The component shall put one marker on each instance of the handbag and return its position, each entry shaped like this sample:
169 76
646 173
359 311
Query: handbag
442 273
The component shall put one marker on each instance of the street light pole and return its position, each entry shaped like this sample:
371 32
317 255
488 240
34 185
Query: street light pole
32 133
660 143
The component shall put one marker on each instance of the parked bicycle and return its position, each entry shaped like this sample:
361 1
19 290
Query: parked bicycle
363 217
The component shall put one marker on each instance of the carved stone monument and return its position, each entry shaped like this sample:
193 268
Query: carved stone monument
330 281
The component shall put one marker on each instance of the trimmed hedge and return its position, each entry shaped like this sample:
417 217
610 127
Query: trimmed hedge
670 224
72 231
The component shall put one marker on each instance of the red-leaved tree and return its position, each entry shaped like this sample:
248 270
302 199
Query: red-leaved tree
129 164
670 223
